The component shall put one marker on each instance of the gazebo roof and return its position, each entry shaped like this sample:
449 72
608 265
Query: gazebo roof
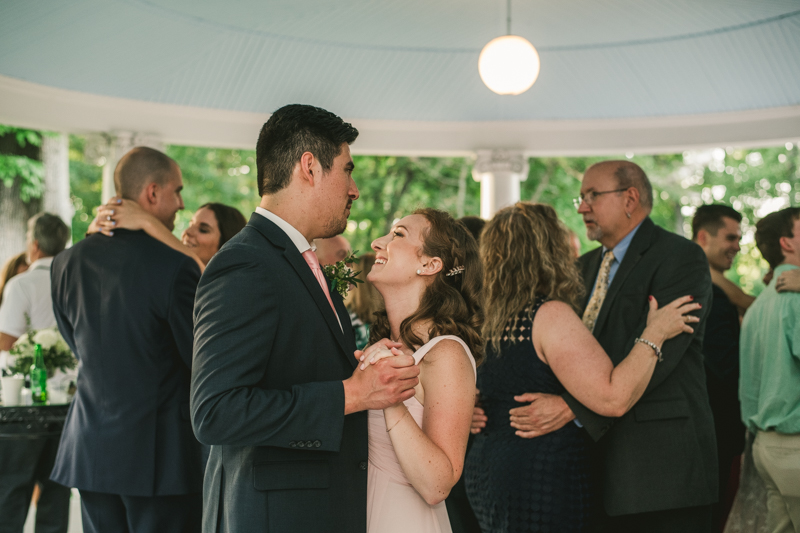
616 75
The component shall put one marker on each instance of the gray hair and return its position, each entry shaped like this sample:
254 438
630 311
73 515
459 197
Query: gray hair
629 175
49 232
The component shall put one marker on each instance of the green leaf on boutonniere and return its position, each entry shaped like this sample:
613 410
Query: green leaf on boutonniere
341 275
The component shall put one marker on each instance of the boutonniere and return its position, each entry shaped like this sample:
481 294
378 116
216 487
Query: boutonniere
341 275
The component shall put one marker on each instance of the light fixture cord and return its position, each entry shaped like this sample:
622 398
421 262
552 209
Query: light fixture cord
508 17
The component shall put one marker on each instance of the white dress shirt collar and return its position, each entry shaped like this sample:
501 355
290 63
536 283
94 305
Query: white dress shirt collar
43 263
296 237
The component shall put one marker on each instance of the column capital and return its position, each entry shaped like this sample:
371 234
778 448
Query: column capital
500 160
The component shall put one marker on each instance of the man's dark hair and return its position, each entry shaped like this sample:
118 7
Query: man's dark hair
140 167
474 225
229 220
50 232
629 175
709 218
291 131
769 231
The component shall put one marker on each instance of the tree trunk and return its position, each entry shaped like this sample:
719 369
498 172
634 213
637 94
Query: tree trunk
14 213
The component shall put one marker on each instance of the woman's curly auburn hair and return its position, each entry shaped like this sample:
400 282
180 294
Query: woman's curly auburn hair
528 253
451 303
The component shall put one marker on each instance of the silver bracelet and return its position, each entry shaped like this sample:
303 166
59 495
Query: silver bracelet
653 346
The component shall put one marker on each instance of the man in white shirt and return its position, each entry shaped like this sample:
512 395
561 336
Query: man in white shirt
23 463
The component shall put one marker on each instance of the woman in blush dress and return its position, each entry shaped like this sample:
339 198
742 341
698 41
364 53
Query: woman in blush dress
537 342
212 225
428 272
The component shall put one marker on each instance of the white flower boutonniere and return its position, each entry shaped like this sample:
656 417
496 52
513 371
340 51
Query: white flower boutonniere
341 275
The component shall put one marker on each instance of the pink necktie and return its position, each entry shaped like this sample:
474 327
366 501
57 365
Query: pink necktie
313 263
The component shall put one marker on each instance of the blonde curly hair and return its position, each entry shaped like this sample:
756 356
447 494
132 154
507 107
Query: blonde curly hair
526 254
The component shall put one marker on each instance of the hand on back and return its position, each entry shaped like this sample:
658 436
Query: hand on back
671 320
120 213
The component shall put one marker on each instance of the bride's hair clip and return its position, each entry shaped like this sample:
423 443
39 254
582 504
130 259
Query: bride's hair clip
455 271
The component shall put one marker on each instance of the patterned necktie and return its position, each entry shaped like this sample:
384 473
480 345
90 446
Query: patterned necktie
313 263
600 290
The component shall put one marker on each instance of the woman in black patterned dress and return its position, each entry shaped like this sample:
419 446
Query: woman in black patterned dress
536 341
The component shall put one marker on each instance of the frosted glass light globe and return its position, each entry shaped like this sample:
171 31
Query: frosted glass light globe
509 65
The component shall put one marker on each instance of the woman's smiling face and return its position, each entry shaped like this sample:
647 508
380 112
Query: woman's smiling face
398 255
203 234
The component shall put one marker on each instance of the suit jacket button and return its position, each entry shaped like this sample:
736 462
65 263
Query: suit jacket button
317 444
293 444
362 465
301 444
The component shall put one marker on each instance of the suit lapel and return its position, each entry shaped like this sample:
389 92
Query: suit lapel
347 327
640 243
277 237
591 267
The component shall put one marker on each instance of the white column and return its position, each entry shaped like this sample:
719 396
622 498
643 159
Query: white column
55 157
499 173
120 143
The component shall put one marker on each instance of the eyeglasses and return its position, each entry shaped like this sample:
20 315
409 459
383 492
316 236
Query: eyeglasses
591 196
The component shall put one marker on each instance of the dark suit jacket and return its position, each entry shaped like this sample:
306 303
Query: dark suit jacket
267 393
661 454
124 306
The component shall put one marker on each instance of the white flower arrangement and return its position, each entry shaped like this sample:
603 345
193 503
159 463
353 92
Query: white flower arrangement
55 350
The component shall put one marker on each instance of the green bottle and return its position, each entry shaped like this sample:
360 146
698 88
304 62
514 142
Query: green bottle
38 377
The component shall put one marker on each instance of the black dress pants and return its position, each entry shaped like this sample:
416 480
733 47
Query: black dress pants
684 520
115 513
23 463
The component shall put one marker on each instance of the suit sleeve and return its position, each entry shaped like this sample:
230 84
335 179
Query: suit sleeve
683 272
236 320
181 303
57 295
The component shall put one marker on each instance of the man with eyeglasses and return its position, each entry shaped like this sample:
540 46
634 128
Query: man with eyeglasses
658 461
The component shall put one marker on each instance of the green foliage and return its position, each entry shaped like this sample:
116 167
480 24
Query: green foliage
341 275
215 175
392 187
29 171
86 186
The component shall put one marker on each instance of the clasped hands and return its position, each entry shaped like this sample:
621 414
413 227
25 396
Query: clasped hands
385 377
543 414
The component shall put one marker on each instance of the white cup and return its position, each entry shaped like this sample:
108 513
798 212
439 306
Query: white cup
12 386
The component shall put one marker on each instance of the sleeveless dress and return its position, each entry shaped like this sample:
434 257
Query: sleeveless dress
514 484
393 505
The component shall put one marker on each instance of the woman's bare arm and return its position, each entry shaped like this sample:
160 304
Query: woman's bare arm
432 457
127 214
581 365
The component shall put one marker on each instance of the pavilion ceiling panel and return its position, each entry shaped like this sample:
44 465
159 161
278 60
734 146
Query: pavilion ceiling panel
410 60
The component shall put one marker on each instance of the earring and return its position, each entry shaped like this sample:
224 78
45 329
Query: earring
419 272
628 214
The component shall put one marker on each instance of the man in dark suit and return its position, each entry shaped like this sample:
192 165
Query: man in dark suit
124 306
275 390
658 461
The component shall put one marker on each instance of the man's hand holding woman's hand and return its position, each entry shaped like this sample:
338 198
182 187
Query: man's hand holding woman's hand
382 383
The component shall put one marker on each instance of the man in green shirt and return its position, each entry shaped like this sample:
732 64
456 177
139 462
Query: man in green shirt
769 386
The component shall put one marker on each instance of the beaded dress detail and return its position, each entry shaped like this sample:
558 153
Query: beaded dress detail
515 484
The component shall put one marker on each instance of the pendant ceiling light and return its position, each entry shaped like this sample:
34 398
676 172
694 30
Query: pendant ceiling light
509 64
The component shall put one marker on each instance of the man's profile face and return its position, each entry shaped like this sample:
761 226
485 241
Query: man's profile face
338 192
606 214
722 248
169 200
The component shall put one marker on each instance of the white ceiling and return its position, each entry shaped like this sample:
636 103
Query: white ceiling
616 74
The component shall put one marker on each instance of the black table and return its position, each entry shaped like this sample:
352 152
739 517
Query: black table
32 422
